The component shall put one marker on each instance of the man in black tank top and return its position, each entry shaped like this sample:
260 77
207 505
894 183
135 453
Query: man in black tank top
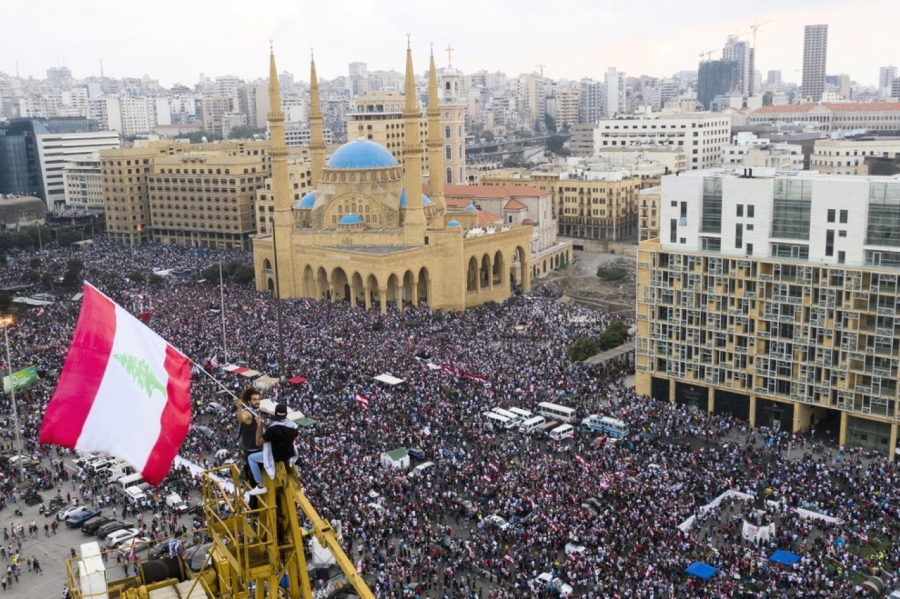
248 421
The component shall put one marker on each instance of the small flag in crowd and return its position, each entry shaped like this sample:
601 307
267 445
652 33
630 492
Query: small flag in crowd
123 390
363 401
580 460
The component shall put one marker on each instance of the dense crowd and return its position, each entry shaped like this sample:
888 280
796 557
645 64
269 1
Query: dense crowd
517 353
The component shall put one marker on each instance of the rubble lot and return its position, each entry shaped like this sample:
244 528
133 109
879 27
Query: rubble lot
580 284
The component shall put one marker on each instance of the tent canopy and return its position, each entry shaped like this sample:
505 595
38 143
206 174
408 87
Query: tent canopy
388 379
701 570
265 382
784 557
297 380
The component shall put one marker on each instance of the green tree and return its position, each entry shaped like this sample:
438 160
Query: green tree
555 143
137 277
156 280
196 137
72 277
245 132
612 273
243 274
5 302
614 336
582 349
67 238
488 136
550 123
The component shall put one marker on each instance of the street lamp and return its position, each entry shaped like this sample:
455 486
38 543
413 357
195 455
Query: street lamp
6 322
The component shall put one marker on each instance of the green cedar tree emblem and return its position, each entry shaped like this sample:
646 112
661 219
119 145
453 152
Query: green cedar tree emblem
141 373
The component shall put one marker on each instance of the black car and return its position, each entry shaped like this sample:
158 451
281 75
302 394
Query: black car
111 527
79 520
90 527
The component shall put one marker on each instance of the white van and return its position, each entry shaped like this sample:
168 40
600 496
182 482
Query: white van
563 431
514 420
420 470
135 495
129 481
523 414
530 425
495 421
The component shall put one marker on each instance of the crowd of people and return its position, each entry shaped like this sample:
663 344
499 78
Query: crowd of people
421 537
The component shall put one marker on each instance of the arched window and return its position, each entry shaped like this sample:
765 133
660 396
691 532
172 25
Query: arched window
340 209
461 132
448 153
447 132
449 176
333 220
367 208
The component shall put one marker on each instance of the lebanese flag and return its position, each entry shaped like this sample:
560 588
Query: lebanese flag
580 460
123 390
363 401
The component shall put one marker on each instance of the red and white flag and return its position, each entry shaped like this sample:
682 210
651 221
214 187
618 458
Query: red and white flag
363 401
123 390
580 460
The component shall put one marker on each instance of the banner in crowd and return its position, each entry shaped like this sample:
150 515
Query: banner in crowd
20 379
751 532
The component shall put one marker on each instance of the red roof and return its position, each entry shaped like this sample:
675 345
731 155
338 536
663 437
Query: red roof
832 106
488 191
515 204
527 221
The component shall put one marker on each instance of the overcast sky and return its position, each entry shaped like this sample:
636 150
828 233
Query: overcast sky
176 40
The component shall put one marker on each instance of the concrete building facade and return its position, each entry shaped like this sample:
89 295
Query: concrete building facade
815 54
775 299
83 183
846 156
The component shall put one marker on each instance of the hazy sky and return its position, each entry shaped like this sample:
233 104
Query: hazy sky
176 40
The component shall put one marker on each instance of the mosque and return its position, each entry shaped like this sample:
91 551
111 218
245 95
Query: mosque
368 234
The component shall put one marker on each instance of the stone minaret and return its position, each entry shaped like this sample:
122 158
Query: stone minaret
414 223
281 187
435 149
317 135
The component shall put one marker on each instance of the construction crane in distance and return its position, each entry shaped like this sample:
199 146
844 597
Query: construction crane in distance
707 55
755 27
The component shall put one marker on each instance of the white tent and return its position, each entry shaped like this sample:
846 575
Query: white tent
388 379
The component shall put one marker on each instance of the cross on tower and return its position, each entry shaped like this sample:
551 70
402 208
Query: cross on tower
449 50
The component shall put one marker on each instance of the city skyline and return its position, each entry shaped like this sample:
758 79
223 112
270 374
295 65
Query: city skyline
655 38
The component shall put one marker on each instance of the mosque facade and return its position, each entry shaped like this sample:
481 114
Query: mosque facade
368 235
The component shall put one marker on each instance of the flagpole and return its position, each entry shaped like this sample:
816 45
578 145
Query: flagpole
222 309
281 374
212 378
12 393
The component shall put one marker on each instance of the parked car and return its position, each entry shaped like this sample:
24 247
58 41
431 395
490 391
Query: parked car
90 527
469 508
111 527
497 521
416 454
135 545
76 519
203 430
213 409
117 537
69 511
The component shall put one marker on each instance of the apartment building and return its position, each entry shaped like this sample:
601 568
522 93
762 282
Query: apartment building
83 184
748 150
587 204
57 150
775 299
300 179
700 134
846 156
648 212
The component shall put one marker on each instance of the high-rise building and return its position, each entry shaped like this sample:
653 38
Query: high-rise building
742 54
615 92
34 152
773 299
359 78
773 79
213 110
886 76
716 78
591 101
815 53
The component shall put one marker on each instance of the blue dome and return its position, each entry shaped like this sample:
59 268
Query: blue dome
361 153
426 201
350 219
471 208
453 223
308 200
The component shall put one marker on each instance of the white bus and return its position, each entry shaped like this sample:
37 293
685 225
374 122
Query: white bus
563 431
523 414
556 411
514 419
612 427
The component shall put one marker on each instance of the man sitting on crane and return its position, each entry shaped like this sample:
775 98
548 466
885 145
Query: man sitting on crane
279 446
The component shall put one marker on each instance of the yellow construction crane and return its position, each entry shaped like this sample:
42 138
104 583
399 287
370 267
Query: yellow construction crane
755 27
707 54
255 553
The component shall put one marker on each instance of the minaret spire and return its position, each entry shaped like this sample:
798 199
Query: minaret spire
414 221
435 149
316 130
281 189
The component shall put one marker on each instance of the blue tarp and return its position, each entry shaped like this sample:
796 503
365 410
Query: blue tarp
785 557
701 570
